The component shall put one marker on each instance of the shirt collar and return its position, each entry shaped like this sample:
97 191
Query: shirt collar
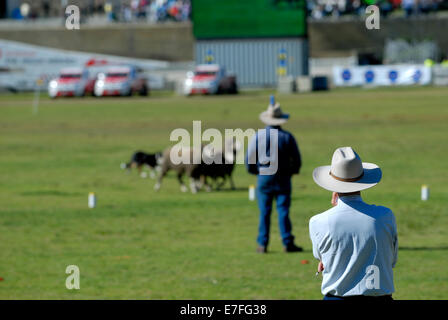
350 198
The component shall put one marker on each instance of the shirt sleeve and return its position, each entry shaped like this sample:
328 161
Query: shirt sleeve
296 159
395 242
314 240
250 160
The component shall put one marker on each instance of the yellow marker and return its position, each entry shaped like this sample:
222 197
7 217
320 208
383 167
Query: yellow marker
281 71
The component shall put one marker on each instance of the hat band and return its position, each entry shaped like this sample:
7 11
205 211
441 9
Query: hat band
275 115
348 179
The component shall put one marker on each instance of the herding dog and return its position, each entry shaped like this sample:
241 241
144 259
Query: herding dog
140 158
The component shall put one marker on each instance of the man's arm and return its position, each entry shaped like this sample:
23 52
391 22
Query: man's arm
250 160
314 240
295 157
395 244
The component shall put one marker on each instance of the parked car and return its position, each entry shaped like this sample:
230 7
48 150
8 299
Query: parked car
71 82
121 81
209 79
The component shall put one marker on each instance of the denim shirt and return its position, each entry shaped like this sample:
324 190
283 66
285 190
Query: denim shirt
358 246
289 159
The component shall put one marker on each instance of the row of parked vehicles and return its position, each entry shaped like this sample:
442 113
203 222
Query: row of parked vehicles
114 81
126 80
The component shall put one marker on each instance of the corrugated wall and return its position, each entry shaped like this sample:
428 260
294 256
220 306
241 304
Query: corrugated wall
255 61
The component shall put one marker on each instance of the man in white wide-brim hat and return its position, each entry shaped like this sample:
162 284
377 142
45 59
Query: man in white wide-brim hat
276 158
356 243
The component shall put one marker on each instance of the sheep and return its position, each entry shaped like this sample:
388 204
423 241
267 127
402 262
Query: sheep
218 164
222 165
190 168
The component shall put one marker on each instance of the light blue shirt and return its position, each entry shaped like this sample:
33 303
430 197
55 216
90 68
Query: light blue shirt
358 246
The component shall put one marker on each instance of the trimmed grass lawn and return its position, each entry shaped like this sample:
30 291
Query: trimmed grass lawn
142 244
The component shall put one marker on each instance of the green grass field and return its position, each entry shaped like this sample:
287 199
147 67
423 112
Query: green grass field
139 244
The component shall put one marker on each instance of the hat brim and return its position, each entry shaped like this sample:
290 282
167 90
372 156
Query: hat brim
269 120
372 175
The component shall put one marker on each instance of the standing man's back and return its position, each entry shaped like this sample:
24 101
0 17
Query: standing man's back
356 243
273 155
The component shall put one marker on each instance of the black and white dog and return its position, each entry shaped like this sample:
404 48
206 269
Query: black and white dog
140 159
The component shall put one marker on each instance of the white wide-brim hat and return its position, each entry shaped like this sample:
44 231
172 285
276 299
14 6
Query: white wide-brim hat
274 116
347 173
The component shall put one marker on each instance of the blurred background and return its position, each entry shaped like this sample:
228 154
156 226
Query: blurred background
170 37
382 91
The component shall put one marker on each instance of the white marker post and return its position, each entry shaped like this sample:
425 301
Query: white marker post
425 192
92 200
39 83
251 192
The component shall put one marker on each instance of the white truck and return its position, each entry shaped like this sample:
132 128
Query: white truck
74 82
210 79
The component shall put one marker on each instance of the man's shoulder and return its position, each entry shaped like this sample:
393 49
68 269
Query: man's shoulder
287 136
380 213
321 218
381 210
285 133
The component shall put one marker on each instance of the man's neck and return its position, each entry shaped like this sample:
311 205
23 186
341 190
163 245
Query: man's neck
357 193
350 195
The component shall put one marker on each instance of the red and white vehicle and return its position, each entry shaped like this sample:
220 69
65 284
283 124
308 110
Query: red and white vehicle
209 79
71 82
121 81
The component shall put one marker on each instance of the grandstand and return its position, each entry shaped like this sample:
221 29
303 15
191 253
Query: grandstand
110 10
180 10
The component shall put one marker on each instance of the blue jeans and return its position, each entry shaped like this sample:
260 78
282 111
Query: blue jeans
283 201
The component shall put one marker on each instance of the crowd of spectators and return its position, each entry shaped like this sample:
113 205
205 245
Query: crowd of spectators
321 9
180 10
151 10
114 10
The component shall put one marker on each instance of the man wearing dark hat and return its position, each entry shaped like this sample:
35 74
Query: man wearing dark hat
274 157
355 242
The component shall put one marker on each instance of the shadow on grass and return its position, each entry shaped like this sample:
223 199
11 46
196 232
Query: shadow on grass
230 190
281 252
50 193
423 248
